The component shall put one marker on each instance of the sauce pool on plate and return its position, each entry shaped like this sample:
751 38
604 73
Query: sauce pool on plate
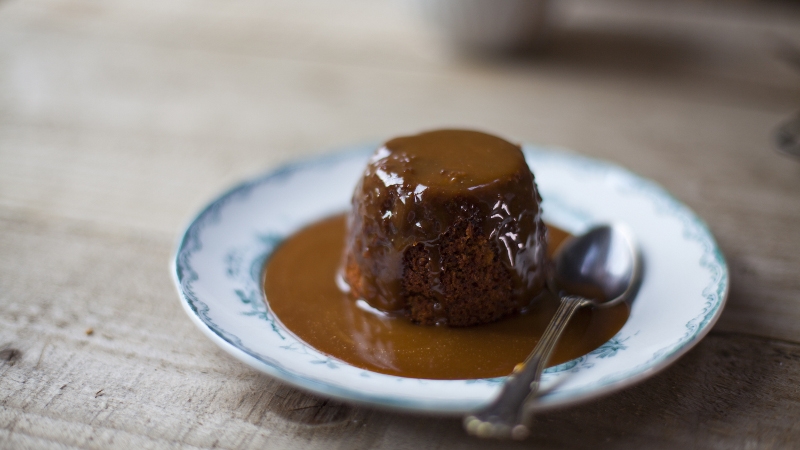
301 291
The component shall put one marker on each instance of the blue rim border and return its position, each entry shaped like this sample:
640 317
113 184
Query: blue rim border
694 228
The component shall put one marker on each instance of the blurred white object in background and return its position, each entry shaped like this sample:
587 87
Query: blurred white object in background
488 25
787 137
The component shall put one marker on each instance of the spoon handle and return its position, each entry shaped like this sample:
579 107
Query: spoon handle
507 416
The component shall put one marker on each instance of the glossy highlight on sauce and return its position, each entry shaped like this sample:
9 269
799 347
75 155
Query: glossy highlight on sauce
301 291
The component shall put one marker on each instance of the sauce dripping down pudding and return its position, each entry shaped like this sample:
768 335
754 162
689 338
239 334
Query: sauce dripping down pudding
446 229
301 291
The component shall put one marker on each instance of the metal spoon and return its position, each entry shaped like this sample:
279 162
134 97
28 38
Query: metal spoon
599 268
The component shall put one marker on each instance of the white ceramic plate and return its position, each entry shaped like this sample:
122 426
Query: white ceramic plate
218 272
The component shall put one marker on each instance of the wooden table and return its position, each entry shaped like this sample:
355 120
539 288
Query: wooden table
119 119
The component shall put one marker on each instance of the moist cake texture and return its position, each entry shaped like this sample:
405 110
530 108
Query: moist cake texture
446 228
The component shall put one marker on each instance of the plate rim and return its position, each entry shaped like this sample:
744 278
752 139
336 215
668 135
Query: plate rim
391 401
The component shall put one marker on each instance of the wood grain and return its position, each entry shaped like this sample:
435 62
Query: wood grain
119 119
146 377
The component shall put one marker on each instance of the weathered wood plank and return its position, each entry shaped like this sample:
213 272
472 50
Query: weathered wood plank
146 378
722 167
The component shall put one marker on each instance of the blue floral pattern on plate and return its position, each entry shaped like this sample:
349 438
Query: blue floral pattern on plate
219 261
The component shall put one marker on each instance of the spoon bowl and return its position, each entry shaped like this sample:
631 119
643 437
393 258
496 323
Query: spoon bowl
599 268
601 265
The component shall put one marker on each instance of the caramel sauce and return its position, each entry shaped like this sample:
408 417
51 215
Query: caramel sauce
301 291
